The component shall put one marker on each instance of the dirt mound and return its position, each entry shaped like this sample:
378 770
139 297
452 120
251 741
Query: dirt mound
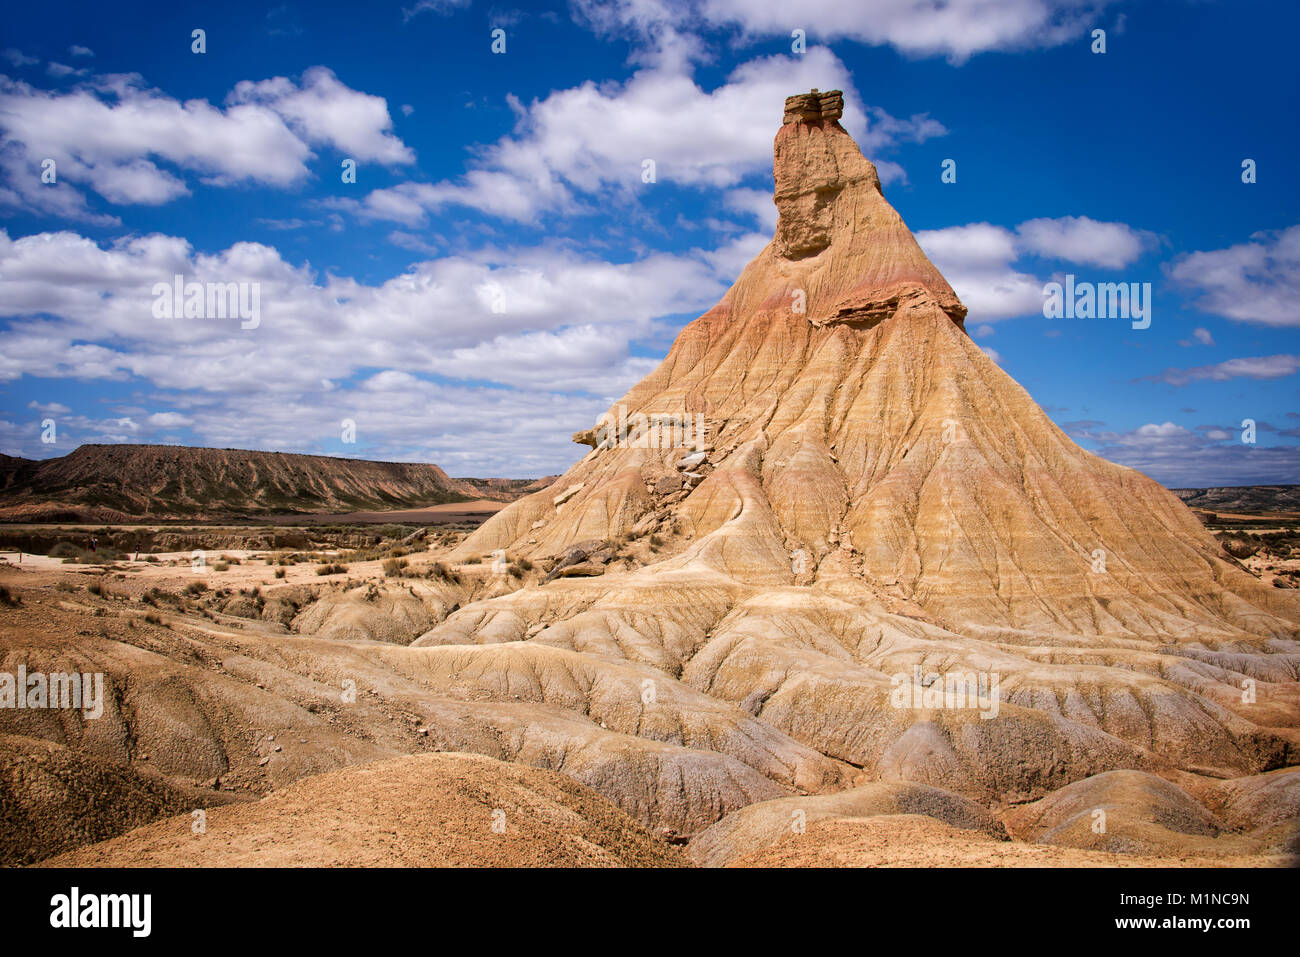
758 826
916 841
53 799
1259 800
393 613
1124 812
261 709
445 810
1267 806
180 697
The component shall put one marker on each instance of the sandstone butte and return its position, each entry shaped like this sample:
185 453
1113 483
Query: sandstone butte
710 636
872 493
870 434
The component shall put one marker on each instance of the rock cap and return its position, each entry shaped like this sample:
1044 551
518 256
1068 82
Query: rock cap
814 107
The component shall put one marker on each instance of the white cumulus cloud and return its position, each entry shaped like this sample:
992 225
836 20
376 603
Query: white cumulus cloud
1258 281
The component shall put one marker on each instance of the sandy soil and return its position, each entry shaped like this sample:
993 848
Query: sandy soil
251 571
915 841
214 703
443 810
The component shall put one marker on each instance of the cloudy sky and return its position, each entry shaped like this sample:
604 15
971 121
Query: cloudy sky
499 271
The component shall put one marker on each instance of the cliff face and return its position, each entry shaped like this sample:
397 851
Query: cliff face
177 481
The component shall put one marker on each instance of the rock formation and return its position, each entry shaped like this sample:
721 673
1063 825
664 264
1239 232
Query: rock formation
849 421
862 493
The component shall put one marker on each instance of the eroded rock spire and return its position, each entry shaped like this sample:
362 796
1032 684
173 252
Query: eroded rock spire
814 107
855 256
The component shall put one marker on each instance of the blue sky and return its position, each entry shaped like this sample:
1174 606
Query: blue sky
499 272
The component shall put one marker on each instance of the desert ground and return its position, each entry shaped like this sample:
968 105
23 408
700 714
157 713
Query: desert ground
228 693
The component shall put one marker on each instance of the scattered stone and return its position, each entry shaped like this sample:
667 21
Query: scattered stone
583 569
592 553
666 484
568 493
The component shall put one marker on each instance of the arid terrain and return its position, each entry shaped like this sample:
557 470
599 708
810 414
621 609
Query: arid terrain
226 688
869 606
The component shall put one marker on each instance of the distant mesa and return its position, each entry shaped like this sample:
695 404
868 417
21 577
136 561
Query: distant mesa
115 483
